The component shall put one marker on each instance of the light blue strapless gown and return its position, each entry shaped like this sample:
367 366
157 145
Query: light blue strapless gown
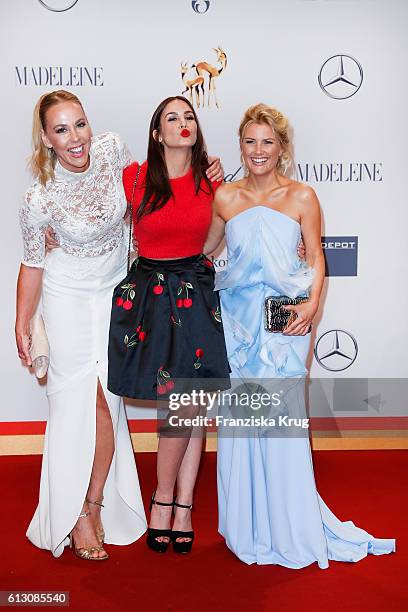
269 508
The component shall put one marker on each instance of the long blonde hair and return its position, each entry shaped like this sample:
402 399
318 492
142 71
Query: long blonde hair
262 113
42 162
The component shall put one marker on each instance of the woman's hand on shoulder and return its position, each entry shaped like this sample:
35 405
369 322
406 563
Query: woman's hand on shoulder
215 171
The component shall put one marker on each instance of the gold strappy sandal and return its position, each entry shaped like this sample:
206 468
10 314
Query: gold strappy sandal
100 533
86 553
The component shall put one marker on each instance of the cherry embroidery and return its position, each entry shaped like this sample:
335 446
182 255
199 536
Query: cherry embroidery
164 382
158 289
197 363
128 294
138 336
184 302
169 385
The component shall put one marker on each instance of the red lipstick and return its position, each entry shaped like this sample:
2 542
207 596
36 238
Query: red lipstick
185 133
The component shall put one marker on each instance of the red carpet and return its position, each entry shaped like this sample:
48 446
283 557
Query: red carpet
368 487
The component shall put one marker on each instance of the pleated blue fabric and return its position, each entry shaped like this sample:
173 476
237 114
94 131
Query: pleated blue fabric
269 509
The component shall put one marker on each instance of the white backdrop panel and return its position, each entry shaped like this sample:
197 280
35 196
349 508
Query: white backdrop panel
275 51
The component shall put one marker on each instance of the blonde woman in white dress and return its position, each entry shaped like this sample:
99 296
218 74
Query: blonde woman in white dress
88 456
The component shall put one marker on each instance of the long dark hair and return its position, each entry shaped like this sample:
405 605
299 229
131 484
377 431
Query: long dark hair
157 184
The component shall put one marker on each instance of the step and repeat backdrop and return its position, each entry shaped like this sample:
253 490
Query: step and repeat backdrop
334 67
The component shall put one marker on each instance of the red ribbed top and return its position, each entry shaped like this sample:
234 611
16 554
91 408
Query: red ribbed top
180 228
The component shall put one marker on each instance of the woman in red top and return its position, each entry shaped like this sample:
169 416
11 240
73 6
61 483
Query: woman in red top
166 333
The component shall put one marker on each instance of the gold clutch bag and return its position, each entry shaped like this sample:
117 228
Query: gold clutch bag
277 319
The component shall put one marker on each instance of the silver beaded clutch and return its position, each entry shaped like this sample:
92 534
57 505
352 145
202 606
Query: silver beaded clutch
277 319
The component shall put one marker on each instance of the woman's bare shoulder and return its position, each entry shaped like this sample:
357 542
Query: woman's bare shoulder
226 196
301 191
305 199
227 191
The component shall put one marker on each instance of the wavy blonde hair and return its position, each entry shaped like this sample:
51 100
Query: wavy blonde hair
262 113
42 162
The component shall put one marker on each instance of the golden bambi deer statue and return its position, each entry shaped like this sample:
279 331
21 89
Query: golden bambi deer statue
196 84
204 68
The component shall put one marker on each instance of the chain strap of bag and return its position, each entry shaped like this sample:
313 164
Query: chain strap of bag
131 217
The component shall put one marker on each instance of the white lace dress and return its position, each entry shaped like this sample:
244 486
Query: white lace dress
86 211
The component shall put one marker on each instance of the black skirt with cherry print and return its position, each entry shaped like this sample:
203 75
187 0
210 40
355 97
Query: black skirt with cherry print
166 326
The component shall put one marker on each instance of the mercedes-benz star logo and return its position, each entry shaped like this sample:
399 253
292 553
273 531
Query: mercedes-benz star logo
341 76
200 6
336 350
58 6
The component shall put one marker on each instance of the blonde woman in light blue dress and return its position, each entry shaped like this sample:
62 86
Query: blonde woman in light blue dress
269 509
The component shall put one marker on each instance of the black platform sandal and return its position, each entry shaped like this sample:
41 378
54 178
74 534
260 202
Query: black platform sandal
182 547
152 534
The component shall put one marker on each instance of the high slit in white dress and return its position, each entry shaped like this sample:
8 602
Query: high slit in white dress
86 211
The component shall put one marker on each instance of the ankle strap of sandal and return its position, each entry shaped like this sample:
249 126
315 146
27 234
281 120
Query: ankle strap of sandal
157 503
189 507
